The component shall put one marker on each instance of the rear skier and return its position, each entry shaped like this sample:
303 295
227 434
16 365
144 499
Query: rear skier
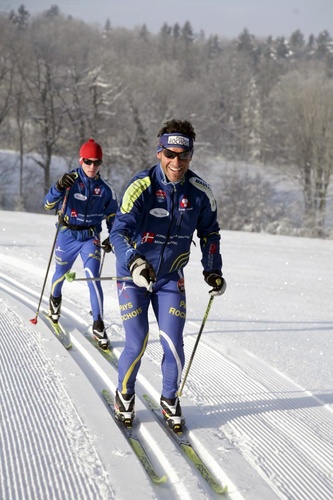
88 200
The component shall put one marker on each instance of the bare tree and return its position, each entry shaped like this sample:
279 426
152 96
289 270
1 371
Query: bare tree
302 121
47 117
62 81
7 74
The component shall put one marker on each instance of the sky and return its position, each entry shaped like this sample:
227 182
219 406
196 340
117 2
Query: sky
226 18
258 398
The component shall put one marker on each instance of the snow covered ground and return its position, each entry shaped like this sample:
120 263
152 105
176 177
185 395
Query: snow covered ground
258 399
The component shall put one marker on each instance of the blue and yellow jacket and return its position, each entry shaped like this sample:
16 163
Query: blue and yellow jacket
90 200
156 219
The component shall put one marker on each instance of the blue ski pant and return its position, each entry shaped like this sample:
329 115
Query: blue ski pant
67 249
168 301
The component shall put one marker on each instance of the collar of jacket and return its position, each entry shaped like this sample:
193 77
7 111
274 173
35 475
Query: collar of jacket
85 178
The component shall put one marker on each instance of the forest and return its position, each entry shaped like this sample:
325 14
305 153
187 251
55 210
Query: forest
262 110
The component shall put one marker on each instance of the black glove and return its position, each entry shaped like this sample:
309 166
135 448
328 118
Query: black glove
142 272
214 279
66 181
106 245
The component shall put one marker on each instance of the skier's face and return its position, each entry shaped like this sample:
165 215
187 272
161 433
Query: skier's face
175 162
91 166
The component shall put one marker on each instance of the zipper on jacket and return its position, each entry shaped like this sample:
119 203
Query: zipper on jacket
179 221
168 233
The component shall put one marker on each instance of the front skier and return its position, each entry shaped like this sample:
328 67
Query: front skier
151 236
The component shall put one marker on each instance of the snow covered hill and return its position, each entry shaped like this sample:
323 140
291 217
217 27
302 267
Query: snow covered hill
258 399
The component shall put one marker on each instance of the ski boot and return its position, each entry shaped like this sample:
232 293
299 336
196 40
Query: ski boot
173 414
100 334
54 308
124 408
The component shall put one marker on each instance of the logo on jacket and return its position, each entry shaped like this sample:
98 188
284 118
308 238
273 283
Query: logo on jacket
181 286
148 238
159 212
80 196
73 213
184 203
97 191
203 186
160 195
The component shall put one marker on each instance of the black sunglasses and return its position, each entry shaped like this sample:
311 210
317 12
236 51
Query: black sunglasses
97 163
184 155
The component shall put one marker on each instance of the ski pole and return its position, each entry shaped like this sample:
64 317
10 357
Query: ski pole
34 320
102 262
71 276
196 344
98 244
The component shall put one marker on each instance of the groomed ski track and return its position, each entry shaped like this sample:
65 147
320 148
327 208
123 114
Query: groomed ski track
255 419
63 430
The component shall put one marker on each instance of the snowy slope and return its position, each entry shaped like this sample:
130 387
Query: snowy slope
258 398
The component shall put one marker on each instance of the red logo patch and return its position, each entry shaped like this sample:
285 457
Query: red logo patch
97 191
181 286
73 213
184 203
213 248
160 195
148 238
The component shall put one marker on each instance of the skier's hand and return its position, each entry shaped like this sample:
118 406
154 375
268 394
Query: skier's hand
106 245
142 272
214 279
66 181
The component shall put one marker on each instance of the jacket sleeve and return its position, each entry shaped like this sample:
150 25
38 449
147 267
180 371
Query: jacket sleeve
208 231
53 199
127 222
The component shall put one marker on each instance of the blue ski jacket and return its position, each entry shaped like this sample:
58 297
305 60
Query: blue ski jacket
156 219
90 200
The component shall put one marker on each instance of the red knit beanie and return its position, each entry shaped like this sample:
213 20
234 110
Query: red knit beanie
91 149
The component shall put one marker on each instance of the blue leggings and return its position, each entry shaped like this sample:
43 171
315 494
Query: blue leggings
67 250
169 305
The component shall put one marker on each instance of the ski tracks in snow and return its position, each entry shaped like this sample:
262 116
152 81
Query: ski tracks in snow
45 450
71 447
285 432
256 429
